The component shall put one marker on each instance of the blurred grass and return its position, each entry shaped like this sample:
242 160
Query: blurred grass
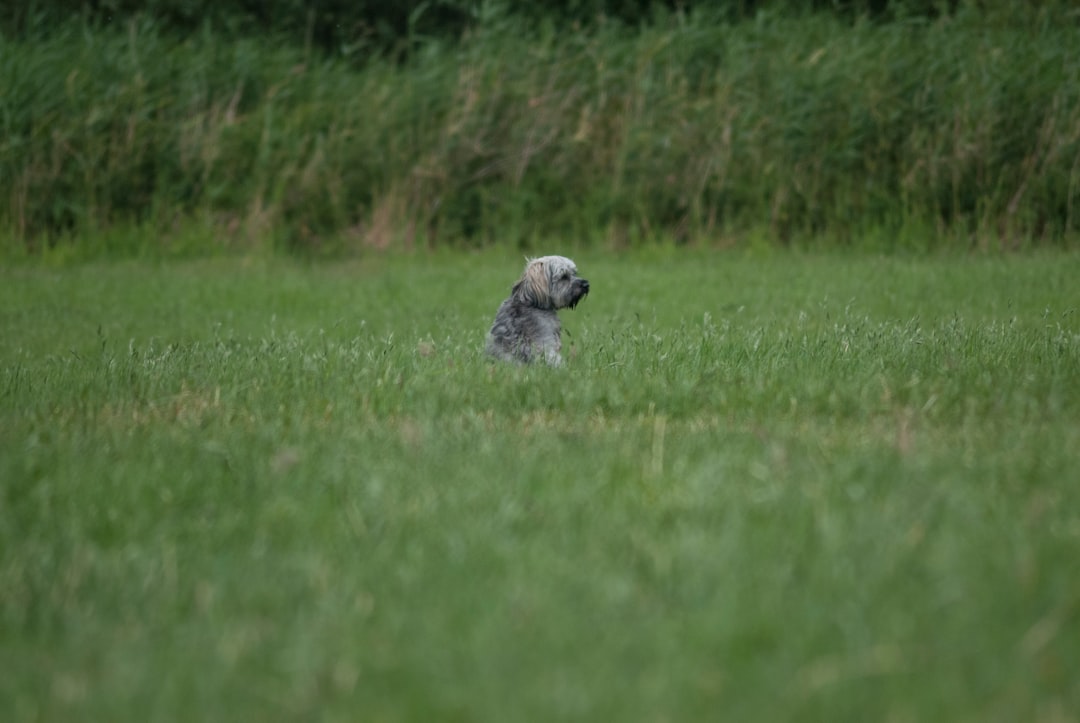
784 487
965 130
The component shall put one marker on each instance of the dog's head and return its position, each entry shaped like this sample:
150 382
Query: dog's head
551 282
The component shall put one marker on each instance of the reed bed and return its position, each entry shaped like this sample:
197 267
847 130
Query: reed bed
964 131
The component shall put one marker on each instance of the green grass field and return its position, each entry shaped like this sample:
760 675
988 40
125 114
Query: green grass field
765 487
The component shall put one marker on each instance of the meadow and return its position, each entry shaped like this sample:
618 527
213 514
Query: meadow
766 486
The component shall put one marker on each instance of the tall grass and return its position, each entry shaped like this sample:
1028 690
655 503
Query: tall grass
965 130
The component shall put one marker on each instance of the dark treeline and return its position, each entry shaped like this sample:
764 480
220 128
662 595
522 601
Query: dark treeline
359 27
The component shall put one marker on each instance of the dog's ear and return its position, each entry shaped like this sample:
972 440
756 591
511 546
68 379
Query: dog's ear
532 288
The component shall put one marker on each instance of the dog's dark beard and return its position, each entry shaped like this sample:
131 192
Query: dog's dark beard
580 291
576 299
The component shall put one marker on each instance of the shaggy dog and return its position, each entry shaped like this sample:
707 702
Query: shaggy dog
526 327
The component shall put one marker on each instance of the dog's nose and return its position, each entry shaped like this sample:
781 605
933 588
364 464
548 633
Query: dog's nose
585 285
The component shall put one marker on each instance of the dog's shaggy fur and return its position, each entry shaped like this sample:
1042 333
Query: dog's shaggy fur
526 326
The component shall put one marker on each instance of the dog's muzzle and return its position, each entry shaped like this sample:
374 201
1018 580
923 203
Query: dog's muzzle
581 290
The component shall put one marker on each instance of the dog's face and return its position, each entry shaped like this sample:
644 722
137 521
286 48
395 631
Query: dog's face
551 282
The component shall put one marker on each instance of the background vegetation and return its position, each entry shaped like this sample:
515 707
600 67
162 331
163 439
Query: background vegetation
184 127
824 488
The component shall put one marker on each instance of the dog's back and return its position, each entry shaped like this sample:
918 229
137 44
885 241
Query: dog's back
524 333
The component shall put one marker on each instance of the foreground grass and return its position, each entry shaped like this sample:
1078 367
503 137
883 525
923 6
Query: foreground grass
786 488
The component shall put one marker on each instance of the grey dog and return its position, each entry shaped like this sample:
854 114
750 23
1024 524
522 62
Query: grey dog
526 326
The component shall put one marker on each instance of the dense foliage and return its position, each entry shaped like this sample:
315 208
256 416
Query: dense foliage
338 25
911 122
